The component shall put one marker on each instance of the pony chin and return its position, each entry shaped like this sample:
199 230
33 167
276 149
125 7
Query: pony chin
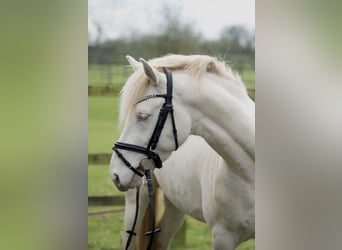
136 181
132 183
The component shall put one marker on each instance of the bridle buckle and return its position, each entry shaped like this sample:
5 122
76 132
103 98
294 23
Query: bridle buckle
147 164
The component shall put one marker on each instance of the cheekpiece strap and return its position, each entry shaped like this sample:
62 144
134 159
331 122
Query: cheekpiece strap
169 86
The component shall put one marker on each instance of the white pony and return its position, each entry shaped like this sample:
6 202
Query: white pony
196 181
208 101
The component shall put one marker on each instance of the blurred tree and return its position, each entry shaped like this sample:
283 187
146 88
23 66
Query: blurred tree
99 32
238 38
170 17
235 43
176 36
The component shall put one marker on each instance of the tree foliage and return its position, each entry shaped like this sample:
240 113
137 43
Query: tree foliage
235 43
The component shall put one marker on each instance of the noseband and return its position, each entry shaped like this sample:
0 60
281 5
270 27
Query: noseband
166 109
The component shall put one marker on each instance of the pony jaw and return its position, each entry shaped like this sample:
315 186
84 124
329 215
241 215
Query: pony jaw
135 181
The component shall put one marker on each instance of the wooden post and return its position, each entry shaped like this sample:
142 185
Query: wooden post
109 74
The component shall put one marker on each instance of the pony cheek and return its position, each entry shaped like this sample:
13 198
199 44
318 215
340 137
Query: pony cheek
183 125
164 155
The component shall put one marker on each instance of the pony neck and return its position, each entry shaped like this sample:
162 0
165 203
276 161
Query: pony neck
226 122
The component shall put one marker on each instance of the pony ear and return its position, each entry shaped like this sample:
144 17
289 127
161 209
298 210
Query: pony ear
211 67
154 75
134 63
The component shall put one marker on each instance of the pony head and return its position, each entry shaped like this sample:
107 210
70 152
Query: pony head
201 86
139 112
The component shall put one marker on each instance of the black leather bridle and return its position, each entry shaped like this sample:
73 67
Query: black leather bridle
166 109
153 159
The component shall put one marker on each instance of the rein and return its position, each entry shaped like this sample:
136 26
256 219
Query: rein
152 159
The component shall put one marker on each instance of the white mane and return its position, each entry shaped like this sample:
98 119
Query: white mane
195 65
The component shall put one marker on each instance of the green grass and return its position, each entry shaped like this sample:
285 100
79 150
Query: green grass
104 233
198 235
104 230
102 123
248 77
247 245
104 75
99 182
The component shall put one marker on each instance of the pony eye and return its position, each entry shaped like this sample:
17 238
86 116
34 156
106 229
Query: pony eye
142 116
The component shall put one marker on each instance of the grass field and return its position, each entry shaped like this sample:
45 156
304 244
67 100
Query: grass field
104 75
102 123
104 230
248 77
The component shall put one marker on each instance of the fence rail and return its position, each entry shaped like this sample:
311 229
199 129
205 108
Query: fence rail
104 90
97 159
101 212
108 200
111 74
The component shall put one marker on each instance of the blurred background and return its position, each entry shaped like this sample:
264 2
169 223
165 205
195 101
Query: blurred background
148 29
44 112
154 28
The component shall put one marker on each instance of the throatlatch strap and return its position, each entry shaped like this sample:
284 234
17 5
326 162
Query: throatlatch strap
168 100
169 86
174 129
164 111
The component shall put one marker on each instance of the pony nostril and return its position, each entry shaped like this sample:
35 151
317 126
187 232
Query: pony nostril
116 179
